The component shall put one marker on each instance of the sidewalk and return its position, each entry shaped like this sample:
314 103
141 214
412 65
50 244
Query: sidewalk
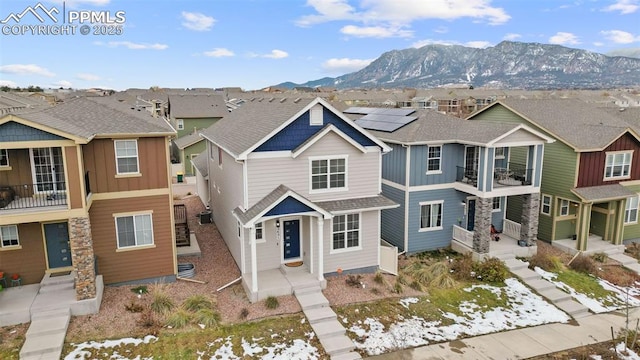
526 342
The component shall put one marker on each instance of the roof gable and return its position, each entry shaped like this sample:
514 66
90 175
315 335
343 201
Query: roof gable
15 131
321 134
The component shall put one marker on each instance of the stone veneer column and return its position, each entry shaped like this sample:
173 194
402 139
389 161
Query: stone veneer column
482 225
83 257
530 218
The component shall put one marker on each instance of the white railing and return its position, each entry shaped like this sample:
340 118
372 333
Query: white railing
463 235
511 229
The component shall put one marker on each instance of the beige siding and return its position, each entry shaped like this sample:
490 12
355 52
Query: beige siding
367 256
519 136
29 261
363 171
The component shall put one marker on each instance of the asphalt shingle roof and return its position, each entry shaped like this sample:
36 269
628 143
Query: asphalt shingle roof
197 106
200 162
603 192
188 140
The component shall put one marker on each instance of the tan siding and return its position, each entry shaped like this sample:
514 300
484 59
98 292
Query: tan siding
366 257
100 161
74 187
519 136
135 264
20 172
363 173
268 254
29 261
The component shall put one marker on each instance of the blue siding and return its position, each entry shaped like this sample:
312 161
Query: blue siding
452 157
393 164
502 163
452 209
498 216
392 220
300 131
13 131
288 206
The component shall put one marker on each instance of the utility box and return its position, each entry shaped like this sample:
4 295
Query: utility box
180 177
205 217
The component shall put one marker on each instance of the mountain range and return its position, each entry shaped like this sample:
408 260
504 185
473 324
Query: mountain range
508 65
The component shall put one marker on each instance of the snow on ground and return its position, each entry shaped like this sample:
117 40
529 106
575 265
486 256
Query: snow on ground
80 352
626 354
524 309
618 295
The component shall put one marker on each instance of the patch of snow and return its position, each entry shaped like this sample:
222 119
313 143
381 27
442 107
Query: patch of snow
79 351
626 354
406 301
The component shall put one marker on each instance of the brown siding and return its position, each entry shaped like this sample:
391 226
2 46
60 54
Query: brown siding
591 172
29 261
20 172
135 264
74 187
100 162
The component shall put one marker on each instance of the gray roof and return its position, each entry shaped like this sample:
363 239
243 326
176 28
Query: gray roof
433 127
188 140
89 117
200 163
371 202
577 123
603 193
630 115
197 106
263 204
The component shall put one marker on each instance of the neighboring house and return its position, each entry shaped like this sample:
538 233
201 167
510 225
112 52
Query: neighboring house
591 177
295 181
189 146
454 178
84 187
200 164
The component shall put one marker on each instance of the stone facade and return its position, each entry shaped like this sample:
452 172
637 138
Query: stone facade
529 221
482 227
83 257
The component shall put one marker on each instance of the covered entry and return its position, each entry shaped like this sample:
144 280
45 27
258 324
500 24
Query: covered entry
56 237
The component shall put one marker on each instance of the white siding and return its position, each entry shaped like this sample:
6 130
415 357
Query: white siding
520 136
363 174
367 256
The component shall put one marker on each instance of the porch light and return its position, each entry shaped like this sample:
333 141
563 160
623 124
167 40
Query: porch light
277 223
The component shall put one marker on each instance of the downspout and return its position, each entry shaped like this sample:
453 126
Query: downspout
406 197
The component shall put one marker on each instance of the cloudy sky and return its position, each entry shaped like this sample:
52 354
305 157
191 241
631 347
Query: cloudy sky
257 43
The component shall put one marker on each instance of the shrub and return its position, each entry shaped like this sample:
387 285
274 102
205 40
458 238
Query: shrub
161 302
142 289
415 285
207 317
197 302
397 288
584 264
375 291
147 319
179 319
600 257
354 280
462 267
134 306
271 302
444 281
401 279
491 270
379 278
545 261
244 313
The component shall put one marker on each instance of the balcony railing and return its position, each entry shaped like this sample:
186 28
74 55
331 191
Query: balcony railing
515 174
467 175
32 195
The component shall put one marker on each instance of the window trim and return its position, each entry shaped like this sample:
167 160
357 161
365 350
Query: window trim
133 215
179 124
562 206
262 239
627 210
329 188
439 158
10 247
115 148
613 154
316 115
499 208
346 248
542 204
6 156
430 203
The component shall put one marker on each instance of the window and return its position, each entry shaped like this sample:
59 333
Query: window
219 156
346 232
4 157
431 216
212 151
9 235
564 207
259 236
126 156
496 204
434 158
328 174
618 165
134 230
180 124
545 208
500 153
631 212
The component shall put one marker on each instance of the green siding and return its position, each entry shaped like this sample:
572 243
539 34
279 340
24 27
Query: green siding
194 149
545 224
632 231
197 123
565 229
598 220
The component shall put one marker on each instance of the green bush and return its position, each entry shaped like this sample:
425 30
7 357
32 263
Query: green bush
354 280
207 317
271 302
161 302
179 319
379 278
197 302
491 270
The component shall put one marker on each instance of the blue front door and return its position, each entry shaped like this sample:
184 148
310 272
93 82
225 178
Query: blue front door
471 214
291 239
58 249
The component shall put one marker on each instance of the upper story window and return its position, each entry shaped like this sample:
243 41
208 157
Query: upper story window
329 173
4 157
180 124
9 236
134 230
431 215
545 206
631 212
618 165
499 153
434 159
127 156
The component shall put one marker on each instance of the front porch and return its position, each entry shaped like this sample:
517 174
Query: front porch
281 281
509 242
595 244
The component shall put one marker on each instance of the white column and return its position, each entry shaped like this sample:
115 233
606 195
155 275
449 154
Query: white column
311 252
320 249
254 265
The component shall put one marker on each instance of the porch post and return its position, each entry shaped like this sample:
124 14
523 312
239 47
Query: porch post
585 225
620 212
254 265
320 250
482 225
83 257
529 219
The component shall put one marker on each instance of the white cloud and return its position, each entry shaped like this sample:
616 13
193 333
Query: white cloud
133 46
345 65
441 30
564 38
11 84
477 44
219 52
26 69
197 21
624 6
276 54
512 36
62 83
474 44
620 37
375 31
328 10
87 77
